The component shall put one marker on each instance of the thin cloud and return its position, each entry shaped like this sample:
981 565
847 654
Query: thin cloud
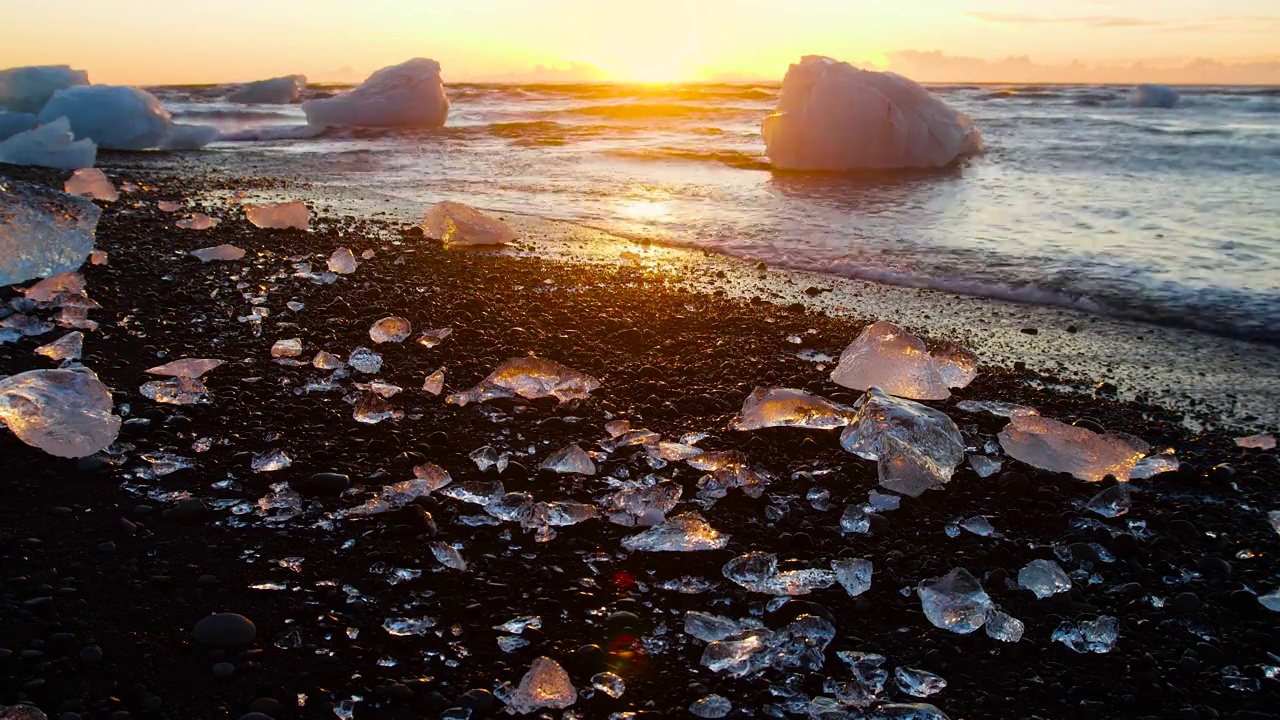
1096 21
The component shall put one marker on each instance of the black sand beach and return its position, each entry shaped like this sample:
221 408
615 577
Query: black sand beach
104 576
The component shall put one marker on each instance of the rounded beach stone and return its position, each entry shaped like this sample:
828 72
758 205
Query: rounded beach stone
225 629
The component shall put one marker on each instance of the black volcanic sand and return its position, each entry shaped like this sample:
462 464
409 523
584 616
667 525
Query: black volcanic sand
105 576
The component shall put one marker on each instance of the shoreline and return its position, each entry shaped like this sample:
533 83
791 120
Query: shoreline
128 569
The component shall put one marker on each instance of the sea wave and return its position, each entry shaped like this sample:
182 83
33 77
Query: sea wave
732 158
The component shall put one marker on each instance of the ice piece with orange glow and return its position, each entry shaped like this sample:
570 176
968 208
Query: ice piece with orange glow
1059 447
886 356
280 216
459 225
410 94
66 413
530 378
687 532
91 183
788 407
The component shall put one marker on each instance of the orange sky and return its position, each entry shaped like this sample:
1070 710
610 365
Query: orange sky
163 41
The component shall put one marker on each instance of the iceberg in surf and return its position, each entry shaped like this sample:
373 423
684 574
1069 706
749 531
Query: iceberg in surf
276 91
833 116
410 94
27 89
51 145
1154 96
118 117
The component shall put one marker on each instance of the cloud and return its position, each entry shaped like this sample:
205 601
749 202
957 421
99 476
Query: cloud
1095 21
936 66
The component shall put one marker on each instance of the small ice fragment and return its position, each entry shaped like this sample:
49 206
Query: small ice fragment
897 362
531 378
908 711
1271 600
280 215
1152 465
617 427
1058 447
198 221
168 206
186 367
270 461
287 348
448 555
682 533
801 644
90 182
570 460
980 526
758 572
609 684
364 360
459 225
434 384
1112 502
520 624
381 389
43 232
390 330
1274 517
342 262
176 391
371 409
855 519
918 683
1044 578
955 601
66 413
546 685
67 347
918 448
993 407
1086 636
984 466
98 257
327 361
853 575
1003 626
487 457
511 643
1257 442
403 626
219 252
432 338
711 706
787 407
882 502
956 365
709 628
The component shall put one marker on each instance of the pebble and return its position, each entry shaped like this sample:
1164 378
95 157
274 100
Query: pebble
264 706
1213 566
225 629
325 484
1186 603
188 509
481 702
91 654
224 669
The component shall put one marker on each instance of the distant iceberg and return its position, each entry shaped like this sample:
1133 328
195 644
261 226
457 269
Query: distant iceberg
51 145
276 91
833 116
27 89
1154 96
407 95
123 118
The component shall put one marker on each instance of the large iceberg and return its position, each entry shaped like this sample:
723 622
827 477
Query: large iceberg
123 118
27 89
43 232
410 94
12 123
276 91
1154 96
833 116
51 145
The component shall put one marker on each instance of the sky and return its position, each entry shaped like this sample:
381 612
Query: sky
181 41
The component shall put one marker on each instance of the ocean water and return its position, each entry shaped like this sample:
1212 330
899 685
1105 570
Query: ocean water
1169 216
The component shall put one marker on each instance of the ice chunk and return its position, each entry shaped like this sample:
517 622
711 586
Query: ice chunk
531 378
786 407
711 706
371 409
476 492
168 206
1044 578
178 391
1152 465
448 556
327 361
833 116
886 356
42 232
186 368
907 711
342 262
410 94
918 683
91 183
432 338
758 572
1003 627
12 123
67 347
458 225
1154 96
984 466
546 685
570 460
728 469
609 684
955 602
51 145
123 118
1112 502
709 628
280 215
390 330
197 221
218 252
270 461
868 678
66 413
1089 636
1058 447
276 91
1002 409
287 348
956 365
1257 442
798 645
364 360
979 526
854 575
687 532
434 384
639 502
917 447
1271 600
27 89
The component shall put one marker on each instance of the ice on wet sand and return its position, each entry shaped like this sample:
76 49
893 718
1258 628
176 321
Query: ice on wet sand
42 232
91 183
434 383
342 262
917 447
955 602
758 572
1257 442
570 460
546 685
682 533
530 378
1055 446
1088 636
886 356
66 413
918 683
448 556
1112 502
67 347
459 225
1044 578
390 330
801 644
284 215
186 367
788 407
711 706
364 360
198 221
176 391
288 348
270 461
218 252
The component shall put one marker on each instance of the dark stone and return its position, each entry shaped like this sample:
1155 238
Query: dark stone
264 706
1185 603
224 670
91 654
480 702
1213 566
325 484
188 510
225 630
